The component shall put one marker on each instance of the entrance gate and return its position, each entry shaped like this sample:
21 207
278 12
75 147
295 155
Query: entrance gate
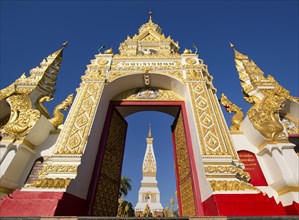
148 69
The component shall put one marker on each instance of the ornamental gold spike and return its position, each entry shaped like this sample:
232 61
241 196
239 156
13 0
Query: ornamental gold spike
149 131
266 96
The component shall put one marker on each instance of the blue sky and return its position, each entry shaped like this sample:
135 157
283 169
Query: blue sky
267 31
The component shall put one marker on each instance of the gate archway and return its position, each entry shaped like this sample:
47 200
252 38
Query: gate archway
103 194
151 62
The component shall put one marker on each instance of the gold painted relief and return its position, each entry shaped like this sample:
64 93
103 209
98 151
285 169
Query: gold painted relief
148 94
113 75
149 167
106 196
184 169
22 116
73 139
212 131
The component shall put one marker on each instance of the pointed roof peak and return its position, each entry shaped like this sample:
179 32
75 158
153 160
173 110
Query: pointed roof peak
231 45
238 55
149 131
150 25
64 45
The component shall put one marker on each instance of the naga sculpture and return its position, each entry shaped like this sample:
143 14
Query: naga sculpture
39 104
230 107
58 117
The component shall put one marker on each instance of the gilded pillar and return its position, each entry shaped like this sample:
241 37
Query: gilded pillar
73 138
221 162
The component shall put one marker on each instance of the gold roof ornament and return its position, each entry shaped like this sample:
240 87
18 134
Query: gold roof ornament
149 131
149 41
266 96
40 83
42 77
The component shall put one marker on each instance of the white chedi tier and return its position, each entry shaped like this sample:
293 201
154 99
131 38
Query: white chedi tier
149 193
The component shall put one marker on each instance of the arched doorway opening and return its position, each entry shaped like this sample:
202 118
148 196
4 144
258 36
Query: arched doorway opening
104 185
158 125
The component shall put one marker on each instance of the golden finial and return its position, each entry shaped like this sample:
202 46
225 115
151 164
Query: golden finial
238 55
149 131
187 51
109 51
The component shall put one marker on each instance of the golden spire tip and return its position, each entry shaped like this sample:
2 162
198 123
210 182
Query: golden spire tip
232 46
149 131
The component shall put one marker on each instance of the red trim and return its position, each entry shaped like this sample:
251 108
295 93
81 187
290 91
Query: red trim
242 205
293 135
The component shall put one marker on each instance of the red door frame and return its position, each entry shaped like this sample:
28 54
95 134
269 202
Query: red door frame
92 188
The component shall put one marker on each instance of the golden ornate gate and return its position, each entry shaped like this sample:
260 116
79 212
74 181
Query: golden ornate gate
185 187
106 196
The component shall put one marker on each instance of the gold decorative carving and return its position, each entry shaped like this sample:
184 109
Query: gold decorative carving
103 61
149 41
149 94
59 168
193 75
264 112
106 196
191 61
149 167
9 90
174 74
58 116
184 170
73 139
230 107
187 197
146 65
56 183
22 117
234 170
214 140
235 185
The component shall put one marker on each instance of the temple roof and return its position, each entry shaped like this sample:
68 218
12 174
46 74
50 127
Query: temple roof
149 41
